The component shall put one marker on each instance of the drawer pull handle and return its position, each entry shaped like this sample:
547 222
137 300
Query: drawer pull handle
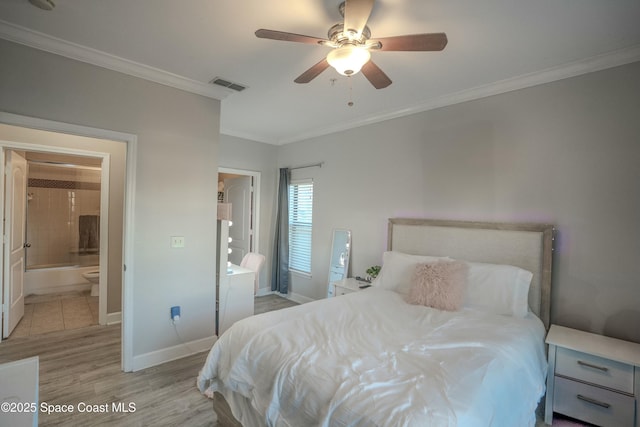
589 365
593 401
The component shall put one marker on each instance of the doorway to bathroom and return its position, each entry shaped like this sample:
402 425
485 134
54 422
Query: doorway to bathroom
62 243
63 231
117 151
53 204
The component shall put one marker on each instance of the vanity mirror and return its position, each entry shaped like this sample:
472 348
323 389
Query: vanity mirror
340 252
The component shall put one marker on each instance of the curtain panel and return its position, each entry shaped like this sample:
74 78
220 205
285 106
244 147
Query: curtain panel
280 266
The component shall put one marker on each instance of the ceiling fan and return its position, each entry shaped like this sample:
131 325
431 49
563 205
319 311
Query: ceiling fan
351 42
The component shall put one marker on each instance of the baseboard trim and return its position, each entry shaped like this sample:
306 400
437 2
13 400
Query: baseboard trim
168 354
264 292
300 299
114 318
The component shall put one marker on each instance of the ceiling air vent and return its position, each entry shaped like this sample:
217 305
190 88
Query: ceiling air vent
226 83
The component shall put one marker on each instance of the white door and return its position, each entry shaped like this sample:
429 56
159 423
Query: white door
14 235
237 191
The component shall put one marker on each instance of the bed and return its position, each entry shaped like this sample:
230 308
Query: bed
370 358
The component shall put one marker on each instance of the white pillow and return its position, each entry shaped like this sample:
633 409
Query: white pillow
397 270
500 289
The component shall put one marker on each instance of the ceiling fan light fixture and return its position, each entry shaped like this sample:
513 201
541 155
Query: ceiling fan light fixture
348 59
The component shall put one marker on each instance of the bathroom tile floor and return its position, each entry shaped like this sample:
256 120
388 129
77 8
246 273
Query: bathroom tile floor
57 312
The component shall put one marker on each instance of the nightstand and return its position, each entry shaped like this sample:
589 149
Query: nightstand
346 286
592 378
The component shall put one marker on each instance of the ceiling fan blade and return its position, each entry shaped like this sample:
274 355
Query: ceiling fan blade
375 75
313 72
288 37
414 42
356 14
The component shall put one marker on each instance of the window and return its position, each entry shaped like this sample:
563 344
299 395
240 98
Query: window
300 225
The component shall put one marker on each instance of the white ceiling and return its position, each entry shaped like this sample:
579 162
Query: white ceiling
494 46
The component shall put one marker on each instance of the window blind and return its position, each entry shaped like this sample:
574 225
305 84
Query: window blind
300 225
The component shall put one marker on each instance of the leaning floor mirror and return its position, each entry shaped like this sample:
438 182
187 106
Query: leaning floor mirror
340 247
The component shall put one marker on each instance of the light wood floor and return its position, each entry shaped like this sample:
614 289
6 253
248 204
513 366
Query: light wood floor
83 365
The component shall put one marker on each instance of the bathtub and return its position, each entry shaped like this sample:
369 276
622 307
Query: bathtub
58 279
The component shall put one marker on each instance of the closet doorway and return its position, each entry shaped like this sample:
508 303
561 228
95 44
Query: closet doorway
241 188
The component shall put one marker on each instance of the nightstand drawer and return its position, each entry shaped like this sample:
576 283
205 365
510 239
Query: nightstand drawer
593 404
343 291
595 370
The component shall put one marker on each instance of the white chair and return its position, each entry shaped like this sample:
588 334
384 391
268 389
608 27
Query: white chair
254 261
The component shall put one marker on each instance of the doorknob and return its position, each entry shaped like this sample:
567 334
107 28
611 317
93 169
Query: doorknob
27 245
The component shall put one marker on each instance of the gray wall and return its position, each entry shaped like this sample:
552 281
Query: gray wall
566 153
175 185
238 153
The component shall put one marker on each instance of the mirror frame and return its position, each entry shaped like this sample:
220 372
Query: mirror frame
334 250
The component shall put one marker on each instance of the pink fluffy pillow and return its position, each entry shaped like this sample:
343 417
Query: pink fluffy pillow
439 284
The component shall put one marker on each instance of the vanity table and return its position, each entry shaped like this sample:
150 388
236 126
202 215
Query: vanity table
234 285
236 296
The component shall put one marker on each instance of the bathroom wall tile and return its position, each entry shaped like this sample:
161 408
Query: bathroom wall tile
59 196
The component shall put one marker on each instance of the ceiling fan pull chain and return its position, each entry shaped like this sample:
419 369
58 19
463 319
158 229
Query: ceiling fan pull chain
350 103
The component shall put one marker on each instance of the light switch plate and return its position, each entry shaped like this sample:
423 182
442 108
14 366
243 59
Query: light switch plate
177 241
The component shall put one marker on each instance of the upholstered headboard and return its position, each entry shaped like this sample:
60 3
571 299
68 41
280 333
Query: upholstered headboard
528 246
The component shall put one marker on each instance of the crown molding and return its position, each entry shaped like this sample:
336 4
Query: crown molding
571 69
47 43
31 38
248 136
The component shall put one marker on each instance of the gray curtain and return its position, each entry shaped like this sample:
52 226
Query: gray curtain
280 266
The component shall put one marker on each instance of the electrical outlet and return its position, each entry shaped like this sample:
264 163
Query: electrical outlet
175 314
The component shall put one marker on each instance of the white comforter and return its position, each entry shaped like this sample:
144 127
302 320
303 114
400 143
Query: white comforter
369 358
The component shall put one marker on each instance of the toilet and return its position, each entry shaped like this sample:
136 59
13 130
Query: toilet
93 276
